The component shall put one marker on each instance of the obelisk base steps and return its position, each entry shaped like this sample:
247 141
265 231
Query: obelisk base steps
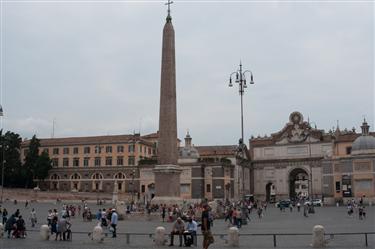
167 184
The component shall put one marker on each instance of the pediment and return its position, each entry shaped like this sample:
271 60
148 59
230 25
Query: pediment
297 131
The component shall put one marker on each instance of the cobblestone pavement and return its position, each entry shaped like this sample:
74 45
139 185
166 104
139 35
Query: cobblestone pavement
334 219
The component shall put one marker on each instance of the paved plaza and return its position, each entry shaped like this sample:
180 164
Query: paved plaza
334 219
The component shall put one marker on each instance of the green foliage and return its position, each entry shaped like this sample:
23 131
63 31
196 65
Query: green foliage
43 165
31 161
10 153
35 165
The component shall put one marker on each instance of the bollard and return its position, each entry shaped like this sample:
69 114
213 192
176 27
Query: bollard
233 237
44 232
160 236
318 237
1 230
97 233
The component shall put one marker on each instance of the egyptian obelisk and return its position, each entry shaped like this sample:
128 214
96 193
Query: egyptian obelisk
167 172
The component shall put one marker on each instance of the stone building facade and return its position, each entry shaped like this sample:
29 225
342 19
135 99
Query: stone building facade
350 172
94 164
207 172
288 163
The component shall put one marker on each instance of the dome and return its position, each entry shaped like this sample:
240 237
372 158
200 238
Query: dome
364 144
189 152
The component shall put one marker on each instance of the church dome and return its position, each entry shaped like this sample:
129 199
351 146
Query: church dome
188 151
364 144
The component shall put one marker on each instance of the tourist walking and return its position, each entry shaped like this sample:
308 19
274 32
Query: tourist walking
9 225
49 217
163 211
62 229
228 215
20 228
260 212
114 221
234 217
238 217
5 215
206 230
33 217
104 218
305 210
54 225
360 212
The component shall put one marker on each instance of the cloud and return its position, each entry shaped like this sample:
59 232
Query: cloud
95 67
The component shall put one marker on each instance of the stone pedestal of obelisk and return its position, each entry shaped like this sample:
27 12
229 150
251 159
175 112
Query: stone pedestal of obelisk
167 172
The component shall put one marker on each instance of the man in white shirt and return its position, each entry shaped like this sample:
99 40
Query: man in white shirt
191 229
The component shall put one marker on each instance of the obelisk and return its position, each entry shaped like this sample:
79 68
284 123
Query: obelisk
167 172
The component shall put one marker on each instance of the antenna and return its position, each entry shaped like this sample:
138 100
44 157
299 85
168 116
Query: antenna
140 125
53 128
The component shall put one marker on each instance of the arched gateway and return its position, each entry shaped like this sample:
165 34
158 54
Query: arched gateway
288 157
298 183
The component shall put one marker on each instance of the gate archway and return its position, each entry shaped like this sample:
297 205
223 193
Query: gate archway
268 191
298 183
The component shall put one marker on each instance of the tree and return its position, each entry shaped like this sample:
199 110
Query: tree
31 161
10 152
43 165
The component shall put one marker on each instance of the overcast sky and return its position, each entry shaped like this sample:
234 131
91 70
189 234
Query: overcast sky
95 67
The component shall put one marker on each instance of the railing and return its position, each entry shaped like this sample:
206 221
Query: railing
223 235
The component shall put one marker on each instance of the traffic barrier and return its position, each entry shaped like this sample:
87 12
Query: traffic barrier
224 236
44 232
233 237
1 230
97 233
160 236
318 240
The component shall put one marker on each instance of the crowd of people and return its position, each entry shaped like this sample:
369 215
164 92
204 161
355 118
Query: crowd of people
186 218
186 227
14 225
356 207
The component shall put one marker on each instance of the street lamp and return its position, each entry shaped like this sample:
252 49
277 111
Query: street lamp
240 79
311 192
132 175
3 160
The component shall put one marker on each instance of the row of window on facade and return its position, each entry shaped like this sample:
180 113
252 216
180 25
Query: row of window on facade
95 176
97 161
98 149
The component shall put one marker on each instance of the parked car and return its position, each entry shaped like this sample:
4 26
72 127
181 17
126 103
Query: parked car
283 203
315 202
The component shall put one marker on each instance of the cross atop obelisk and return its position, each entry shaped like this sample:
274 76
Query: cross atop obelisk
169 18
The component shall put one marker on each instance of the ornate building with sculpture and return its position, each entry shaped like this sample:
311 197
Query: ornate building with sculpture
288 163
